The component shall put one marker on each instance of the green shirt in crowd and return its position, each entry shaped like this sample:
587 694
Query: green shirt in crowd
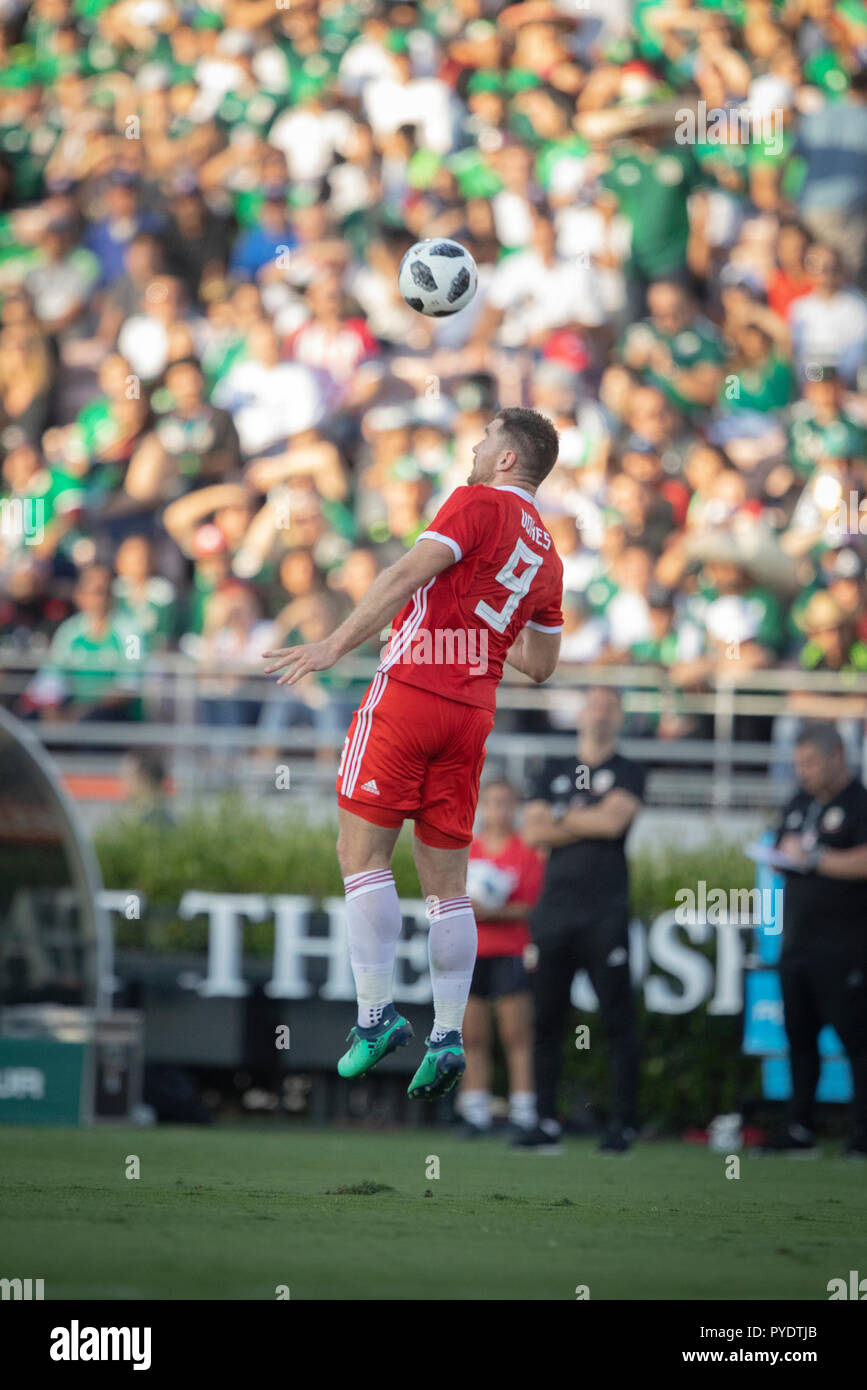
697 343
810 441
652 187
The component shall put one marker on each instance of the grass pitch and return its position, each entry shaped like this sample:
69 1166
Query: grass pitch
232 1213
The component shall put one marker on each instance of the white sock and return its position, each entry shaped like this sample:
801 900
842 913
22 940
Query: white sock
452 942
373 923
476 1108
522 1109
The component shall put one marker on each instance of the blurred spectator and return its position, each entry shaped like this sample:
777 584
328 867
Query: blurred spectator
536 291
234 635
143 598
26 380
144 260
270 400
733 619
343 347
789 280
151 338
829 325
652 178
759 378
197 240
144 778
832 643
61 282
820 426
193 443
674 349
123 218
92 662
832 141
504 880
270 237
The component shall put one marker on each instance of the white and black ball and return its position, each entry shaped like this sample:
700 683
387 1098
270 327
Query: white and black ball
488 884
438 277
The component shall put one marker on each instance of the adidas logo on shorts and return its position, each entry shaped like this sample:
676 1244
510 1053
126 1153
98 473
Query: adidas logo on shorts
371 787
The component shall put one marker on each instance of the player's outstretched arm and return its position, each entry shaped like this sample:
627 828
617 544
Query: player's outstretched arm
386 596
535 654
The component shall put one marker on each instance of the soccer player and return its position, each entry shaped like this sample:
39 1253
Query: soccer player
482 586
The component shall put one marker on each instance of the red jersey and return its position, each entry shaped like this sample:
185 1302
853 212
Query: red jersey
506 576
782 291
527 870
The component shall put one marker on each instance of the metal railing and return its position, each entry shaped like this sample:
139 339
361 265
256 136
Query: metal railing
717 768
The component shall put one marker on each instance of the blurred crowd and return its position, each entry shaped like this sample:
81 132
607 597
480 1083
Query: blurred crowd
219 420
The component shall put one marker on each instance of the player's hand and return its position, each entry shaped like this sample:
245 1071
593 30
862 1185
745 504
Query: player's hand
297 662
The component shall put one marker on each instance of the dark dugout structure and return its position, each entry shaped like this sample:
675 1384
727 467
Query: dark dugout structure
65 1058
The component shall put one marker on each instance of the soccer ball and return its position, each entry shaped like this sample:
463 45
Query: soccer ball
438 277
488 885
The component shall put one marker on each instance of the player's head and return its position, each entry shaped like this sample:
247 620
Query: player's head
820 758
519 446
498 805
601 714
144 774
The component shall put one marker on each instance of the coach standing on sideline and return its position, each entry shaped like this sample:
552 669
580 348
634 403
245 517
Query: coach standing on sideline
823 964
581 920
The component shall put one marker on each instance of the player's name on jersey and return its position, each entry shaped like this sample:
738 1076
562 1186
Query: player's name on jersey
537 533
690 979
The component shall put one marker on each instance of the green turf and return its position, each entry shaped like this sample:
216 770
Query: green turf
234 1212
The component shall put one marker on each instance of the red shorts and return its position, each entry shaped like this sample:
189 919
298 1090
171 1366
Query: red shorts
410 754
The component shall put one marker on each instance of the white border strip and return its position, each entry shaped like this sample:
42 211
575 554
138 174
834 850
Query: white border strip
446 540
359 739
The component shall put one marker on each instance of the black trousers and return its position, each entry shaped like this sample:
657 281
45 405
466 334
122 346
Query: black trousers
819 988
602 949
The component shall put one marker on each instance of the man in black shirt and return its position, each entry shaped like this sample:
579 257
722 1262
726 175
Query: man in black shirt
581 920
823 963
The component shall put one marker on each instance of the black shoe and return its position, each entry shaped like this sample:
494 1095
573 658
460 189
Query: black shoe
856 1148
512 1132
794 1142
617 1139
469 1131
537 1141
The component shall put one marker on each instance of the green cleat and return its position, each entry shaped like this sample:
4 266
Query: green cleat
442 1067
370 1045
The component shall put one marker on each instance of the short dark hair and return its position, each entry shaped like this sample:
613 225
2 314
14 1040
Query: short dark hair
185 362
149 765
822 735
534 440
